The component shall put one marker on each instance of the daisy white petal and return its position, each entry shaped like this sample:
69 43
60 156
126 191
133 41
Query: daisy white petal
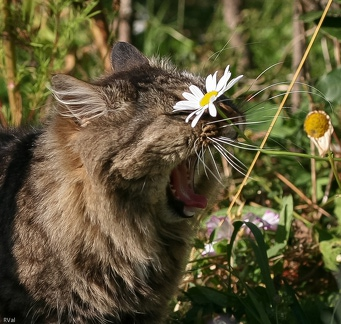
211 82
212 109
185 103
222 82
189 96
196 119
184 106
232 83
199 110
191 115
196 91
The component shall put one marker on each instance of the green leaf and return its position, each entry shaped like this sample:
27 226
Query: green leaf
332 21
262 259
330 251
330 85
260 252
331 24
274 250
254 307
284 225
237 225
332 31
204 295
337 210
295 305
311 16
220 247
28 11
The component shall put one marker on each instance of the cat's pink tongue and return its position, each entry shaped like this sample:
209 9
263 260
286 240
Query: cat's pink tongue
182 184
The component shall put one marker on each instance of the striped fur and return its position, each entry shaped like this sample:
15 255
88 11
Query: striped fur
88 233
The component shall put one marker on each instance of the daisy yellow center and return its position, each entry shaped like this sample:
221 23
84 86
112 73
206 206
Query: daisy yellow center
207 97
316 124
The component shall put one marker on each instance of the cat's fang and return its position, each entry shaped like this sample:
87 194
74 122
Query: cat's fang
189 211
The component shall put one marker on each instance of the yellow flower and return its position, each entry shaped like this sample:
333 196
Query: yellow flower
319 129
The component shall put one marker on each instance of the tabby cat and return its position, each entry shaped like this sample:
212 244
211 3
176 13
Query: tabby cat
96 205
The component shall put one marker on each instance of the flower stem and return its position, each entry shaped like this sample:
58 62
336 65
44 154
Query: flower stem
296 154
236 128
332 164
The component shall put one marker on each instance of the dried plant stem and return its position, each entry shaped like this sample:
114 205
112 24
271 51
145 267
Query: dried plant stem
298 46
297 73
301 194
10 67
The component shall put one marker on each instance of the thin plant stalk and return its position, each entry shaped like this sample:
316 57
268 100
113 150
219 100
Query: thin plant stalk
293 81
332 164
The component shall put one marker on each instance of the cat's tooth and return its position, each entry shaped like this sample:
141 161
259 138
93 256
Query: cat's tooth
188 211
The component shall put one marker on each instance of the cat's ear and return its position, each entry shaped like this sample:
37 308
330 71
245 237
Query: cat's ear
78 100
125 57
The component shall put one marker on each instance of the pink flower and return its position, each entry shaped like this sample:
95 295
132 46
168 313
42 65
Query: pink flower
268 222
223 319
222 225
223 230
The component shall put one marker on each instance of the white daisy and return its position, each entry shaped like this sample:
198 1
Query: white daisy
200 102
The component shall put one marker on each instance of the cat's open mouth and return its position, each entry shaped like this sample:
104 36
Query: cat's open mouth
181 190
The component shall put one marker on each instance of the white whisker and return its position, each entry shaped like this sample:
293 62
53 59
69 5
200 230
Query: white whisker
317 93
258 77
264 89
241 145
255 109
267 69
246 123
229 157
214 161
200 153
261 103
200 156
223 120
216 54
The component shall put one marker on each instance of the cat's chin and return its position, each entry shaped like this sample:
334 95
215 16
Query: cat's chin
181 193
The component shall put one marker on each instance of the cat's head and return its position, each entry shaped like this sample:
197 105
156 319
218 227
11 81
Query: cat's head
124 131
